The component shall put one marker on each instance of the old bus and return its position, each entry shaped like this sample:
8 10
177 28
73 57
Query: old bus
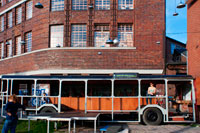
118 98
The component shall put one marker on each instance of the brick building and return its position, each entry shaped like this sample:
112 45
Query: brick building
176 57
69 37
193 46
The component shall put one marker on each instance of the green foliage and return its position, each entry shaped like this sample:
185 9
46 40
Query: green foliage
35 126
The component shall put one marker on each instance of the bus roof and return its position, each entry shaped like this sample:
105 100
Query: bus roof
97 77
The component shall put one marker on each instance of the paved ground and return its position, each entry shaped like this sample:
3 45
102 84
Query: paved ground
171 128
138 128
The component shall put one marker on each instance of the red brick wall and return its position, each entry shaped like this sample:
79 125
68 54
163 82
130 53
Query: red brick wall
81 59
193 44
148 19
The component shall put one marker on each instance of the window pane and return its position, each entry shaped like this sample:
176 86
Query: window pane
79 4
102 4
19 15
29 9
101 34
125 4
18 45
57 36
2 50
57 5
28 41
10 19
78 37
2 23
125 35
9 48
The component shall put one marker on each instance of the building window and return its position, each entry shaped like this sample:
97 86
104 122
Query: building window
78 38
125 35
57 5
28 40
174 46
2 50
18 15
18 45
101 34
102 4
79 4
125 4
10 19
2 23
9 48
57 36
29 10
1 2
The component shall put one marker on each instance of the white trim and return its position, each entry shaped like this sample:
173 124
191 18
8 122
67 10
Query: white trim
70 48
13 6
90 71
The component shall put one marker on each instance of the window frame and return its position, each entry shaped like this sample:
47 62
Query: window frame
2 19
125 34
51 43
102 31
10 19
77 6
29 16
82 34
60 8
2 49
9 48
28 41
18 45
18 16
102 6
121 4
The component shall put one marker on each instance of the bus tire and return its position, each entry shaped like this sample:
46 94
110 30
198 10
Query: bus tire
48 110
152 116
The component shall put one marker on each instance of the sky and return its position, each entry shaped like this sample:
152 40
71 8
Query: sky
176 26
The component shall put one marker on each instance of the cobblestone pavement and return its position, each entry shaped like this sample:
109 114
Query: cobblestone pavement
171 128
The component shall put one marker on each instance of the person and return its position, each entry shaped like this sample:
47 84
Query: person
44 99
11 117
151 92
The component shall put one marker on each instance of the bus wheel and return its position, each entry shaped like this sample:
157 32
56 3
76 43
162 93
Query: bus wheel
152 116
48 110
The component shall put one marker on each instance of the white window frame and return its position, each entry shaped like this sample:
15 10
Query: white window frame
101 36
2 50
124 33
9 46
18 45
102 4
79 5
56 36
19 15
124 5
2 23
10 19
29 9
28 38
77 36
57 5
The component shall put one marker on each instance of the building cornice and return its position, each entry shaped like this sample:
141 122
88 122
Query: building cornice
13 6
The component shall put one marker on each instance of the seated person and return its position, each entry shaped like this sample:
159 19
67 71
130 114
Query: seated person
151 92
44 99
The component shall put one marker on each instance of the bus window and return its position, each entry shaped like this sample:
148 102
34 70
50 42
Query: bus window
125 88
73 89
158 84
99 88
